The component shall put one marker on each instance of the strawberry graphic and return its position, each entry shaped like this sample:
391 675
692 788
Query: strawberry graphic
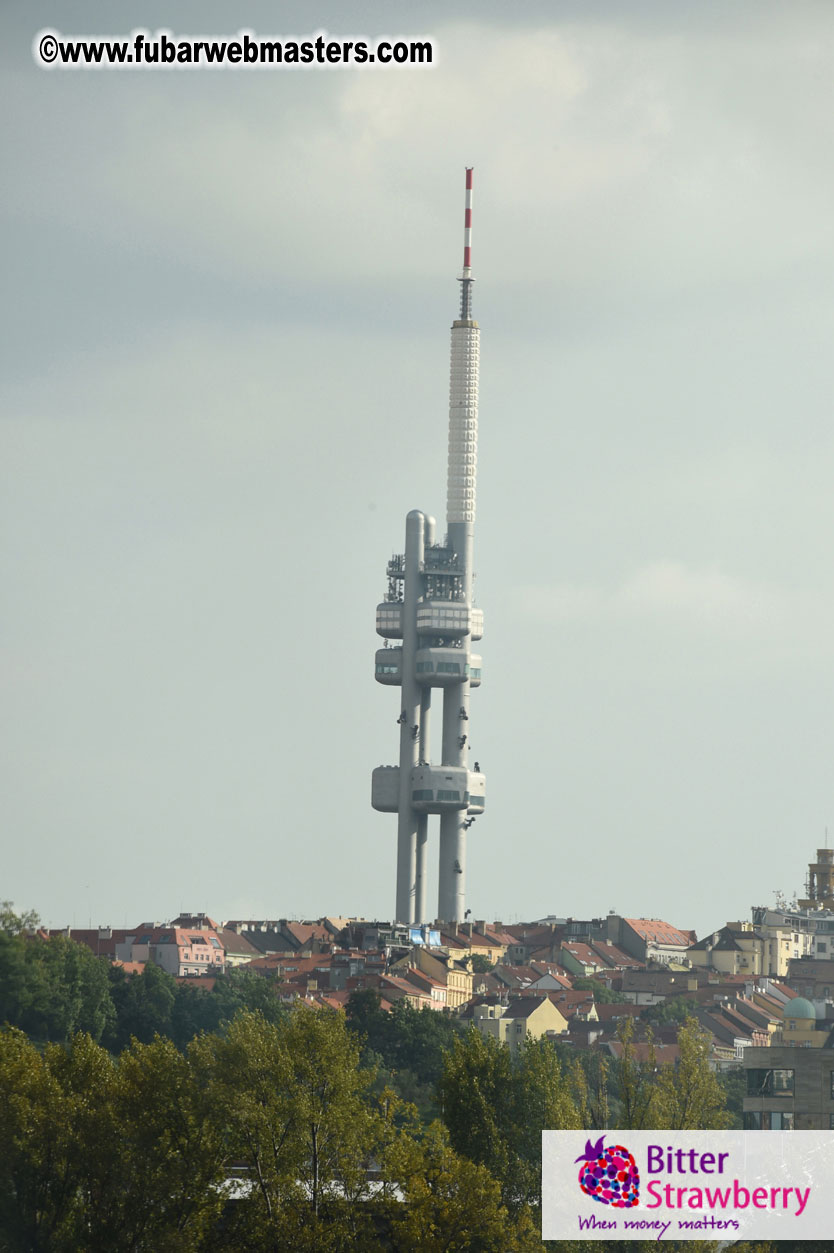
609 1175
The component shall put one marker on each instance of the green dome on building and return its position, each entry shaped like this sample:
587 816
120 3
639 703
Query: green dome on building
800 1008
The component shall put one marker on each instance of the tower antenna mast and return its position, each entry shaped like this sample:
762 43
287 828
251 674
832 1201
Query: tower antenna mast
429 608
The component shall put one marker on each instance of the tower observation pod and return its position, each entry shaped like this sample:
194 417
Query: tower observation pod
429 617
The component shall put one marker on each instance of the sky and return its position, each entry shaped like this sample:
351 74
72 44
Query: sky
225 382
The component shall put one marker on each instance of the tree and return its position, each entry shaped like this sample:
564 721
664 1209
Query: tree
333 1125
601 992
672 1009
686 1096
407 1046
367 1020
143 1004
197 1008
101 1156
37 1188
75 992
734 1086
293 1101
87 1139
17 924
481 965
590 1074
476 1101
542 1101
53 988
451 1205
170 1154
689 1097
404 1037
634 1081
496 1107
14 977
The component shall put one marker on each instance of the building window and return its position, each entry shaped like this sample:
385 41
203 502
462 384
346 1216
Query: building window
767 1120
448 667
770 1082
446 794
422 794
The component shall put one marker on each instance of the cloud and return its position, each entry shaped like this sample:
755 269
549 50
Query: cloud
598 146
666 593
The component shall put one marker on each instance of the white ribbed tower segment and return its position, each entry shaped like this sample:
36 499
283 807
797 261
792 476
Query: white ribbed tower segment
460 517
463 422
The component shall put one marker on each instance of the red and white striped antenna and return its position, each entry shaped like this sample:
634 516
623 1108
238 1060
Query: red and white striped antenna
467 226
466 279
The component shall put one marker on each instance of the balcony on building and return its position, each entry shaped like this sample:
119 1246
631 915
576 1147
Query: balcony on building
439 789
477 793
441 666
446 618
389 620
435 789
388 666
385 789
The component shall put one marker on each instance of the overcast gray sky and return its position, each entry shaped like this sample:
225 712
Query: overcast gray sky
225 341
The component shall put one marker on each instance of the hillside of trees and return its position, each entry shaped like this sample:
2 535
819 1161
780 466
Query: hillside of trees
138 1115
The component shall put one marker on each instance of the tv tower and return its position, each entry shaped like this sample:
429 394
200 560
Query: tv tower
428 606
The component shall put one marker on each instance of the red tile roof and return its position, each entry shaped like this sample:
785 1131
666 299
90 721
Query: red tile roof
656 931
614 956
582 953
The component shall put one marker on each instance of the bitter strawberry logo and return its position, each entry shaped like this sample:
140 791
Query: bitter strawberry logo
609 1175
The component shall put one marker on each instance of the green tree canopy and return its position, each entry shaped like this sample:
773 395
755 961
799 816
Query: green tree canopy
496 1106
601 992
685 1096
144 1005
406 1045
99 1156
14 924
452 1205
689 1096
53 988
294 1102
672 1009
197 1008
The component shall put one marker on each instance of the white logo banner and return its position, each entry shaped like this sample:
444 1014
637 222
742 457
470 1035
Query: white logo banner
687 1185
